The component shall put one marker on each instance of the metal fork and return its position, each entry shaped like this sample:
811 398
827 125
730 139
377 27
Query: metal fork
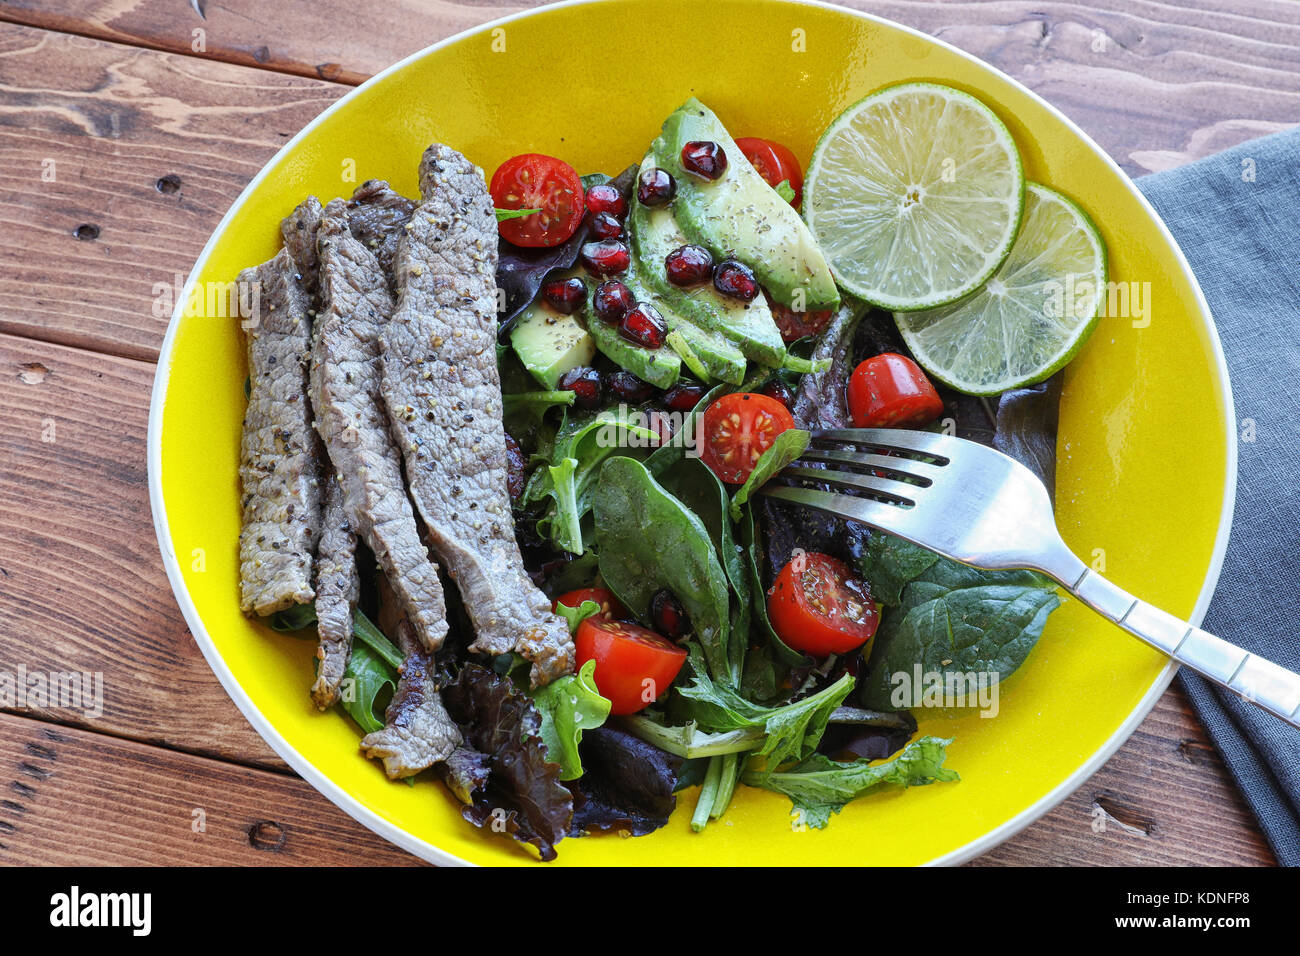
977 506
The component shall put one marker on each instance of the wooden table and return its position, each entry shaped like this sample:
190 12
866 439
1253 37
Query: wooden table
127 127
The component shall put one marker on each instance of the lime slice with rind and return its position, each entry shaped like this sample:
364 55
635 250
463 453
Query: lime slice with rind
914 195
1031 317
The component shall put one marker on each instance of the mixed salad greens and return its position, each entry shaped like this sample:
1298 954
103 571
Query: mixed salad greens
673 337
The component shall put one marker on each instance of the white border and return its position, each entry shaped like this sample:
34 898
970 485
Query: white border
433 854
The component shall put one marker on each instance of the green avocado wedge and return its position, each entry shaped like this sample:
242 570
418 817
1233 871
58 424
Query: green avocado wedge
741 216
655 233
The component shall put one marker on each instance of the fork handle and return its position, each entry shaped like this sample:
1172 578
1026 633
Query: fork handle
1258 681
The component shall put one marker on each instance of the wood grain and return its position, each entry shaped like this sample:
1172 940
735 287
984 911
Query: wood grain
146 152
73 798
1156 84
81 582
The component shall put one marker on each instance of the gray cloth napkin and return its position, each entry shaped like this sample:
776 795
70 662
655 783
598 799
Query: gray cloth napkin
1237 217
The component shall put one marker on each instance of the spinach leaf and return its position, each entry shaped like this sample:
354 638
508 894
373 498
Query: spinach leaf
569 706
819 786
890 563
647 540
789 445
753 562
366 678
792 730
582 444
950 619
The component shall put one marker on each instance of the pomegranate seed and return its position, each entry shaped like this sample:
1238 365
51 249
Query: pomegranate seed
565 295
643 326
607 257
688 265
604 226
606 198
704 158
626 387
683 396
668 615
735 279
655 187
585 383
516 468
780 391
611 301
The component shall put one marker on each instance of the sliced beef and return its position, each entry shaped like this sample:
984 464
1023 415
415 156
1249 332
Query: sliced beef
353 423
376 217
417 732
443 394
278 464
298 230
338 587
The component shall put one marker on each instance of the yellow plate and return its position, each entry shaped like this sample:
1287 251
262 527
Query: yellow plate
1147 455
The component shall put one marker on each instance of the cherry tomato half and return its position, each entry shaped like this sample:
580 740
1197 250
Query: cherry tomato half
634 665
775 163
819 606
891 391
544 183
797 325
737 429
610 606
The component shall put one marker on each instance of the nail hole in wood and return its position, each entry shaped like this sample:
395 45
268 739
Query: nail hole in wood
266 835
169 184
87 232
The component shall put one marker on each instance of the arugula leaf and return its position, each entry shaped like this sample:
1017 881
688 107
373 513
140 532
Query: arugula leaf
792 730
804 366
570 705
504 214
535 402
789 445
949 619
366 632
785 190
366 678
573 616
293 618
819 786
647 540
688 740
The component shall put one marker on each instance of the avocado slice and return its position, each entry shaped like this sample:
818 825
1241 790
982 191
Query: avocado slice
740 215
655 233
660 367
719 358
550 343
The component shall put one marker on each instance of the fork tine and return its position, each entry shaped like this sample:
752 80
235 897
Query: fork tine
895 439
886 517
909 467
897 492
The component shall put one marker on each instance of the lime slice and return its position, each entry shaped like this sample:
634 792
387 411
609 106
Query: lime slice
1031 317
914 195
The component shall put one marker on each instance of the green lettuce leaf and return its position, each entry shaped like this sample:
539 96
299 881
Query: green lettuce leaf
569 706
819 786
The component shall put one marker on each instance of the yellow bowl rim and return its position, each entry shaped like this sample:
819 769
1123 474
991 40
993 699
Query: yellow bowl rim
433 854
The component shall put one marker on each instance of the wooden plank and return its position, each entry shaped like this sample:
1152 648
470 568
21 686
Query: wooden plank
116 164
82 586
284 36
73 798
1155 83
1163 799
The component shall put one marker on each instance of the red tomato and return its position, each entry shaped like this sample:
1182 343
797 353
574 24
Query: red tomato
796 325
610 606
891 391
775 163
819 606
634 665
737 429
544 183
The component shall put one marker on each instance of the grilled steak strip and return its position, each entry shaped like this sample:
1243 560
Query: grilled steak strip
417 729
338 587
376 217
443 391
278 466
352 421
